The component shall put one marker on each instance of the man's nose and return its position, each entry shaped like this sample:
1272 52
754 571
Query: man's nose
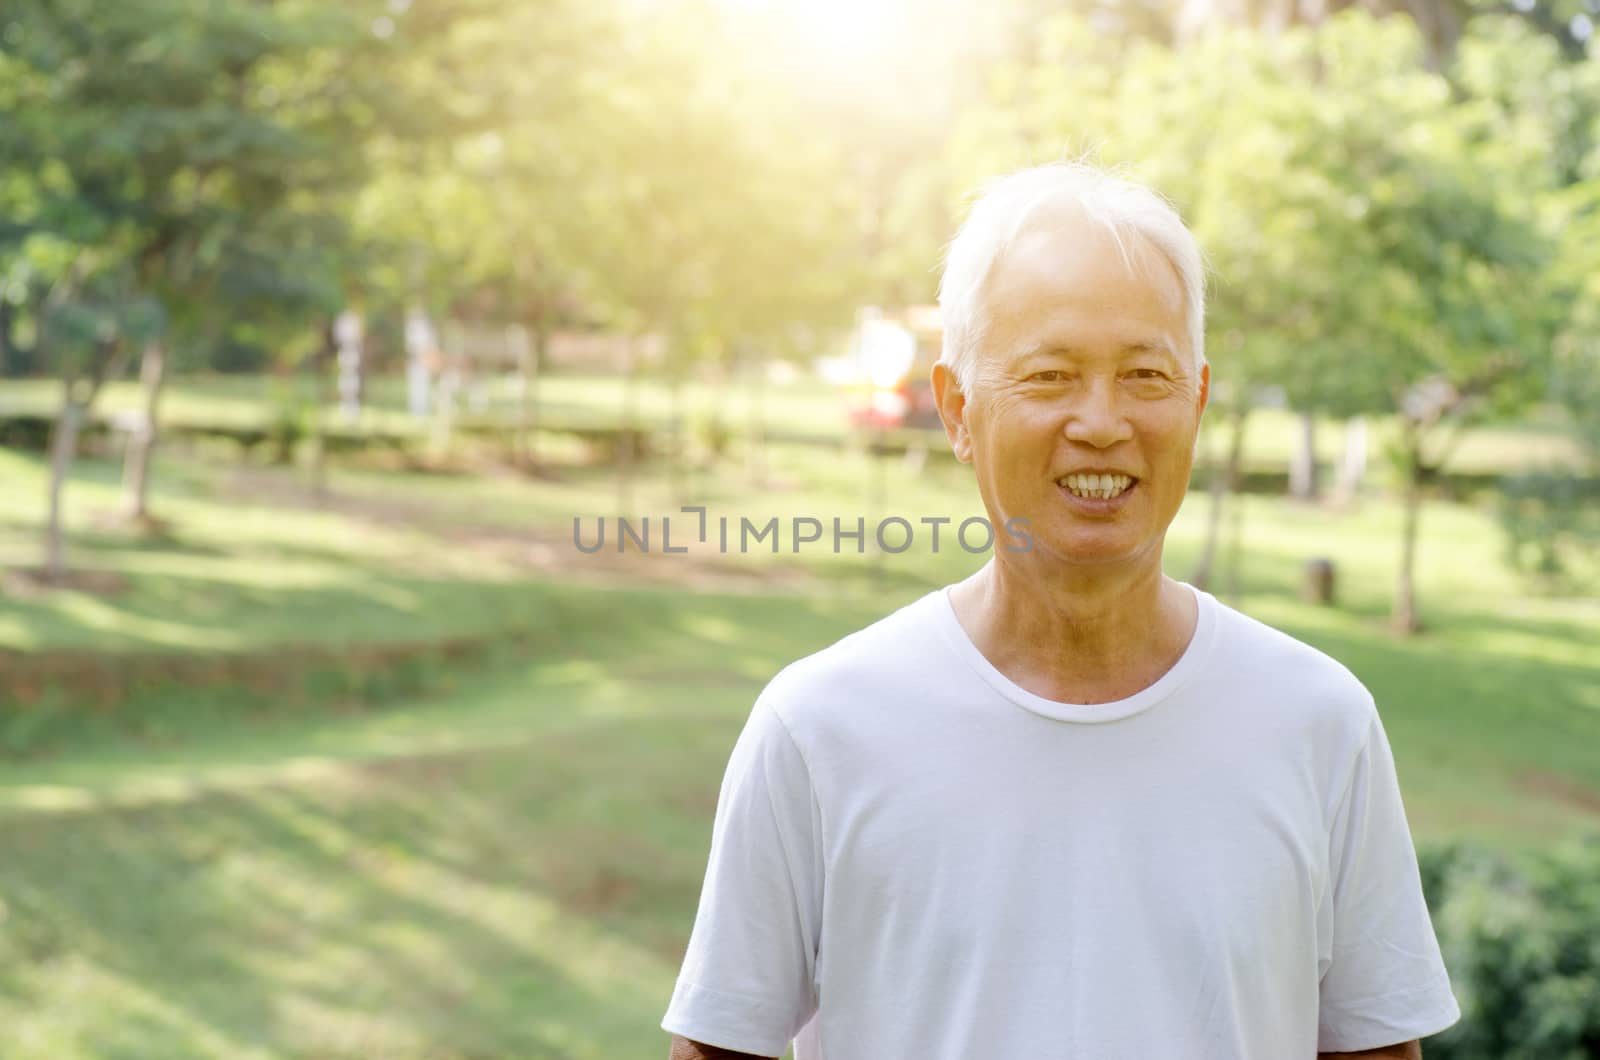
1096 417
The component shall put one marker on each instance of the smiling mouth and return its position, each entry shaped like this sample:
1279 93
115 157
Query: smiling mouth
1096 487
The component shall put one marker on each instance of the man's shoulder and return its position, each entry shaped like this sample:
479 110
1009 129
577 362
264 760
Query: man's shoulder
1279 662
861 665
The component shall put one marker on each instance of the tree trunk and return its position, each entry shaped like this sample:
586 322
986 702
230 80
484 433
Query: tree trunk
349 346
76 402
1353 465
675 468
321 366
422 356
63 447
718 430
541 357
757 458
1233 591
630 419
5 337
1303 469
1404 616
1223 482
142 442
529 356
452 378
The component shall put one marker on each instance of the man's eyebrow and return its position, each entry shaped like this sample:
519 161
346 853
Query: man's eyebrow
1146 346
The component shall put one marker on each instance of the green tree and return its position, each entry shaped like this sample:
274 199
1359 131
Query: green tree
188 136
1463 222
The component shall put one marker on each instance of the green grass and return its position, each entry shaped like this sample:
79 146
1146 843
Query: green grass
415 558
500 872
239 571
510 869
503 861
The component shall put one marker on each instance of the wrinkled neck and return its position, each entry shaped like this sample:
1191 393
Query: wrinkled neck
1077 636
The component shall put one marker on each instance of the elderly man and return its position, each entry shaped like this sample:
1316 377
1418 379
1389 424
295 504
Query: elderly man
1067 808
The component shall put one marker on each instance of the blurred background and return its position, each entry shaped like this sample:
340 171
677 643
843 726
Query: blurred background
333 338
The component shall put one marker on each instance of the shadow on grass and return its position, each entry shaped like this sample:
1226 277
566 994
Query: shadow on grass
281 924
170 611
553 640
515 900
526 891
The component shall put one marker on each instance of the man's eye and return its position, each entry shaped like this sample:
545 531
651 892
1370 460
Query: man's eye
1049 376
1148 373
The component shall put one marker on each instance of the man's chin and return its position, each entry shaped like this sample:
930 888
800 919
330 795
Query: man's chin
1078 551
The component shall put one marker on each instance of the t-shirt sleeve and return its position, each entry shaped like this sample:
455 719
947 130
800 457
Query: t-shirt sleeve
1383 979
747 981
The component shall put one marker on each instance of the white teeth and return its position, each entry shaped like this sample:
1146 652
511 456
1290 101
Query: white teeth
1096 487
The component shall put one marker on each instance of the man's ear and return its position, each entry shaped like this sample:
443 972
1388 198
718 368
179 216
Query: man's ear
953 411
1205 389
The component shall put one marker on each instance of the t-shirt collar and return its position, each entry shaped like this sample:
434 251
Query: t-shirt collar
1188 663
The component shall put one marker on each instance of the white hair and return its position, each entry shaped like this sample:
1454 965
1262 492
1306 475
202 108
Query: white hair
1004 210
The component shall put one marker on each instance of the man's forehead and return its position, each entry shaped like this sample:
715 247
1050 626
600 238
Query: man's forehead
1062 252
1052 281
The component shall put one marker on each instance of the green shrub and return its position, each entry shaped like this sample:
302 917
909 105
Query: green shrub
1522 943
290 421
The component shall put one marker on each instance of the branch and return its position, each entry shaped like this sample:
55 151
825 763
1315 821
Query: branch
1449 405
110 354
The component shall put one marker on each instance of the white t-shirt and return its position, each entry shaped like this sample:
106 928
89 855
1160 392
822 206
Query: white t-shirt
914 857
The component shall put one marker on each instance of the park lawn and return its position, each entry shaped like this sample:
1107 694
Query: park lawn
506 870
254 565
241 569
509 868
253 558
504 861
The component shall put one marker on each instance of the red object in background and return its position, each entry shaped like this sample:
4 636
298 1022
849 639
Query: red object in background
880 408
907 401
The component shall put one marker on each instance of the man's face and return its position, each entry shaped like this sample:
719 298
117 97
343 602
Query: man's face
1086 371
